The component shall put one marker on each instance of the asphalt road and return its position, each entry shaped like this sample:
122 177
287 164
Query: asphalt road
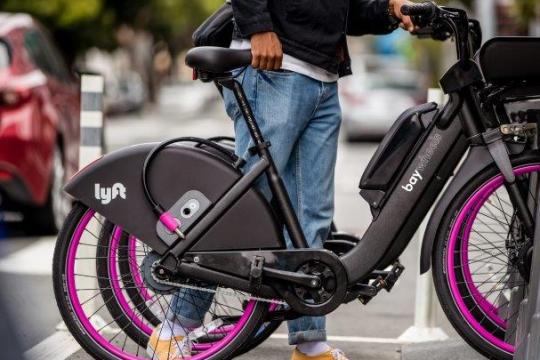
364 332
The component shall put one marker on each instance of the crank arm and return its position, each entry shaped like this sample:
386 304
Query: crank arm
309 281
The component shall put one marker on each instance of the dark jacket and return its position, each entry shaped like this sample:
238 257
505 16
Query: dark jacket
314 30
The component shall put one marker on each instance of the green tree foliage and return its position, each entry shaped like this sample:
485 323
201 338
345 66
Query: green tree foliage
78 25
526 10
171 20
68 21
62 13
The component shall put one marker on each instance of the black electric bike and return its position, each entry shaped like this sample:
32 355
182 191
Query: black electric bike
158 225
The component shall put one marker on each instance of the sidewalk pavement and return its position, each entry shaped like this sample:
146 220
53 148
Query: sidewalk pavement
443 350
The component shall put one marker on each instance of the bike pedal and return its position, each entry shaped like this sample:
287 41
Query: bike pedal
393 276
364 299
367 290
366 293
382 280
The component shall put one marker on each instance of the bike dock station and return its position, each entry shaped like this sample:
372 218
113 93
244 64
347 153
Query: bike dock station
528 335
528 324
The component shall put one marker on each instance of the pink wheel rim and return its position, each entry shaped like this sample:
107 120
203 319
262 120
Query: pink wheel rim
472 206
487 307
117 290
96 336
134 267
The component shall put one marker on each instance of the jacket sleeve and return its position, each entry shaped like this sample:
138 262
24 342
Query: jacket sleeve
252 16
369 17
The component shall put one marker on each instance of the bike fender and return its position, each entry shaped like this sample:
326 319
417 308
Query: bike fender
476 160
112 186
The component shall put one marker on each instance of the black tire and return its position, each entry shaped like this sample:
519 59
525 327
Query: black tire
75 326
439 260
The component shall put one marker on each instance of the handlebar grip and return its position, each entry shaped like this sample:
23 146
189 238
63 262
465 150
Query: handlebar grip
426 9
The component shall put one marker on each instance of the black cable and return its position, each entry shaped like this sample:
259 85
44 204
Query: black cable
156 207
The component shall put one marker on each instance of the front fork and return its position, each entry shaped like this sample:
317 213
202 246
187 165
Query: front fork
499 152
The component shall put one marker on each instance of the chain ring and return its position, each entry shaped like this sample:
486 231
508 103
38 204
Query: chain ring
328 284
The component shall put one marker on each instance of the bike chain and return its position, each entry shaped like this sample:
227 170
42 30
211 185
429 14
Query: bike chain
226 292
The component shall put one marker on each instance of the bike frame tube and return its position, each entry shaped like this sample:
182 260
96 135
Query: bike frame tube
390 233
241 187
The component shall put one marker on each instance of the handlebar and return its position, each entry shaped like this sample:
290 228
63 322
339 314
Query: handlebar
427 9
441 23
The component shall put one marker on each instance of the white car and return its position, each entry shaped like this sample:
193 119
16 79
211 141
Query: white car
372 102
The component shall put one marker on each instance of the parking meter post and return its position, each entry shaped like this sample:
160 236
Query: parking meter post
425 313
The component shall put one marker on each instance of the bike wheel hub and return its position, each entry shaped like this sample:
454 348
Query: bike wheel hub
152 273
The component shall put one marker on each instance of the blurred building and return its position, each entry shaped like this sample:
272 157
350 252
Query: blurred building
508 17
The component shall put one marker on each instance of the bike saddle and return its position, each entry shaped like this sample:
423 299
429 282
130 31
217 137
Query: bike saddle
217 60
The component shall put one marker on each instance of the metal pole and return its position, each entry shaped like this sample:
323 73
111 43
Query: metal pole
425 309
486 13
90 148
425 313
91 144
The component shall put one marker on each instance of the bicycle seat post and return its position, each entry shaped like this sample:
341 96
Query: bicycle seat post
274 179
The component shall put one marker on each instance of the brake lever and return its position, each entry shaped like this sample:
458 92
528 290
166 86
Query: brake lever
433 31
420 21
423 33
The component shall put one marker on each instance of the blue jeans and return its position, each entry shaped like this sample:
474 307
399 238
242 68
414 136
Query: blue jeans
301 118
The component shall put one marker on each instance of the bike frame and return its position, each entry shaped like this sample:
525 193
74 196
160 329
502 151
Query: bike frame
460 124
439 154
435 158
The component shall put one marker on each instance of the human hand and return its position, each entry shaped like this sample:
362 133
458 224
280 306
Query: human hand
395 10
267 51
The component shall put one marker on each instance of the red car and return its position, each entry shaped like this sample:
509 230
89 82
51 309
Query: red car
39 127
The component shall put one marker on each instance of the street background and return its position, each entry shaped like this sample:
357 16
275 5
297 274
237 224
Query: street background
139 48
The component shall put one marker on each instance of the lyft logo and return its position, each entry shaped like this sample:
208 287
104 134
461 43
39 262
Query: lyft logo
108 194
